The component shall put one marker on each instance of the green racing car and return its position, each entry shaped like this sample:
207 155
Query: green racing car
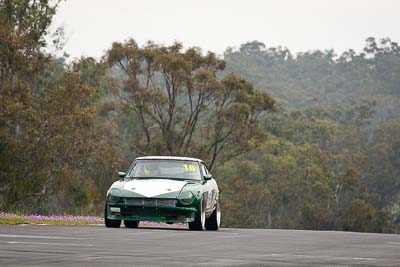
164 189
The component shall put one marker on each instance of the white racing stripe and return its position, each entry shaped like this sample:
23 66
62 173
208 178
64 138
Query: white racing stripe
154 187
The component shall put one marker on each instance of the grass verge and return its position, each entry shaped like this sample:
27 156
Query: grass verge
9 218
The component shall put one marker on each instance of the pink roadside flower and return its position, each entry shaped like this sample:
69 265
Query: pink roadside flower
53 218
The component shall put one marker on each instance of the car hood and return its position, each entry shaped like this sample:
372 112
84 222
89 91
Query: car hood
151 188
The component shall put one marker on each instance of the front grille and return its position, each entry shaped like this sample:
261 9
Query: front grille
155 202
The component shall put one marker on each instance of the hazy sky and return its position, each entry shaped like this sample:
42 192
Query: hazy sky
92 25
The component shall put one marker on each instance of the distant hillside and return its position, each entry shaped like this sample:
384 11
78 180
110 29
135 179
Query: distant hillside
331 160
322 79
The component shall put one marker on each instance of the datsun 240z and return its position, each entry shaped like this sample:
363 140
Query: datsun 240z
164 189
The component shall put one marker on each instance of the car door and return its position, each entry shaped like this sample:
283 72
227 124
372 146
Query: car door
210 190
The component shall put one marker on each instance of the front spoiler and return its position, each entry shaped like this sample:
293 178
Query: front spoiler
151 213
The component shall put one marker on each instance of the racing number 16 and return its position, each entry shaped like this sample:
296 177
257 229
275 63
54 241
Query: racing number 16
189 167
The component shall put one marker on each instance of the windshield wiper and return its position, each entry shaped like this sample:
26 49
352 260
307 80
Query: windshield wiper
170 178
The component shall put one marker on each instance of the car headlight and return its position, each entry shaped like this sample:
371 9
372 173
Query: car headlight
114 195
186 197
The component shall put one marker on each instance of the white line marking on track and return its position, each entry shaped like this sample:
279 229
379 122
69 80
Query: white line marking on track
40 237
57 244
317 256
363 259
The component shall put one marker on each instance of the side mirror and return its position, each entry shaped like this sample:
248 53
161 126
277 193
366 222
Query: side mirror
207 177
121 174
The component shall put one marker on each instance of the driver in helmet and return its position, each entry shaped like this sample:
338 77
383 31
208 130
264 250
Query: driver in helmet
152 170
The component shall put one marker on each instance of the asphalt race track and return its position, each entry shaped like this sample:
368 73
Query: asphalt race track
35 245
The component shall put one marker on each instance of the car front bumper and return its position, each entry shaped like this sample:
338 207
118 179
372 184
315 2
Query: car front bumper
123 211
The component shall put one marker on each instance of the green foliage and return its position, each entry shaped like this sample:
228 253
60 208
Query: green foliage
359 216
344 107
49 135
181 105
383 176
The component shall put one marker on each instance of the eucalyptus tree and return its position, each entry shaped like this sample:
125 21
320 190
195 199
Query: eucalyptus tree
50 158
182 106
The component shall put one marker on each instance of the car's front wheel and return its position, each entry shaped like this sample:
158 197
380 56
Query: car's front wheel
131 224
200 218
214 221
109 222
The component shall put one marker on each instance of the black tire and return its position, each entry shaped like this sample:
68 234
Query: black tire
109 223
199 219
131 224
214 221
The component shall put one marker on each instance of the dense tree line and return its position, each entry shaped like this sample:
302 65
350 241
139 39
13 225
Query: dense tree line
306 141
54 154
336 136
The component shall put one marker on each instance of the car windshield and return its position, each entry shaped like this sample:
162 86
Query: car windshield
176 169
